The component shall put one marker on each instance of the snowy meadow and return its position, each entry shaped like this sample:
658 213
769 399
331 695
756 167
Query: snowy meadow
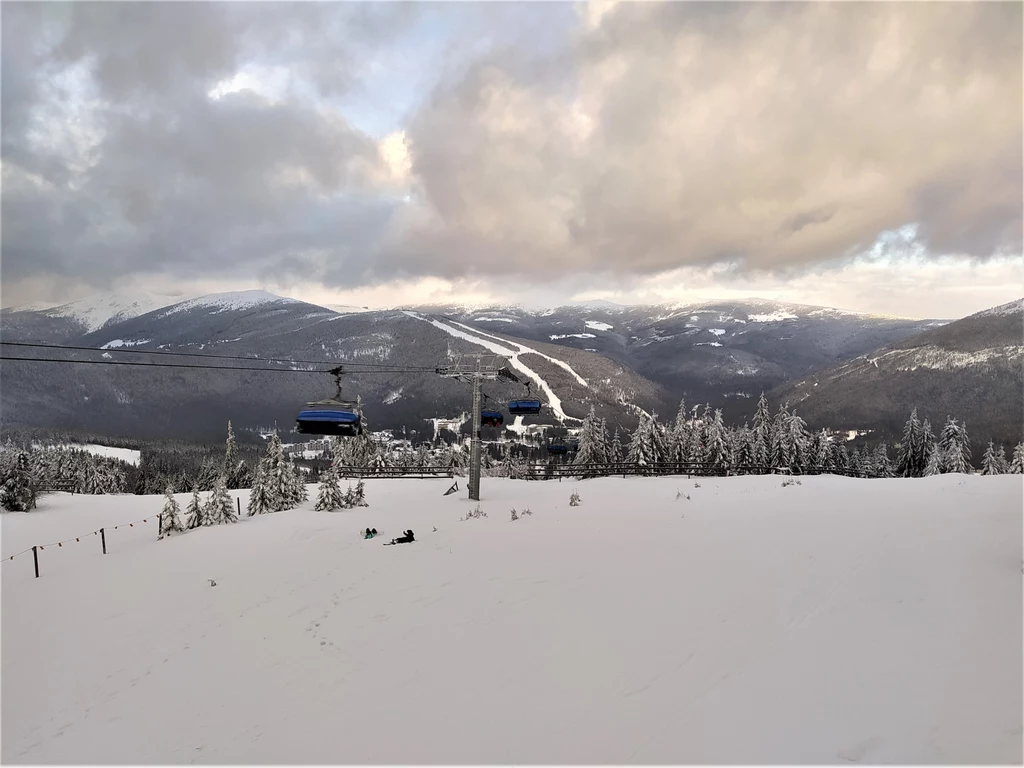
662 620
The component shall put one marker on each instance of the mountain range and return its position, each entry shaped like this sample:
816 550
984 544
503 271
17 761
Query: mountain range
623 360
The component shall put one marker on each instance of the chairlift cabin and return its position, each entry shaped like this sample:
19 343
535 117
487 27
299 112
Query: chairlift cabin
491 419
332 416
523 407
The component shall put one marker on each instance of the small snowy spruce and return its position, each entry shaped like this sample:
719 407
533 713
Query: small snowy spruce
195 513
170 517
329 496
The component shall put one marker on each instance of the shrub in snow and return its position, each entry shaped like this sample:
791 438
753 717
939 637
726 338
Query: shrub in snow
791 481
514 515
475 514
696 485
574 500
195 512
170 519
526 511
681 495
330 496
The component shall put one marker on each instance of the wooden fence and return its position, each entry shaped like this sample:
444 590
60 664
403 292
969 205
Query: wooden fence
554 471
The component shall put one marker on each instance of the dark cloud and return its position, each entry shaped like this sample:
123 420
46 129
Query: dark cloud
765 136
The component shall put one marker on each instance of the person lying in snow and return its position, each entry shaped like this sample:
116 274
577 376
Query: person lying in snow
402 539
369 533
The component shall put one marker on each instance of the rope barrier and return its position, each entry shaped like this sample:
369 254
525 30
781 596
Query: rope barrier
77 539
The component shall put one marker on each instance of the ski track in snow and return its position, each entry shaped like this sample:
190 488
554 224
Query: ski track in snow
523 349
667 625
502 347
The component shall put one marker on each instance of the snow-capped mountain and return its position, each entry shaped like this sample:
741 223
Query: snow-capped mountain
972 369
94 312
231 301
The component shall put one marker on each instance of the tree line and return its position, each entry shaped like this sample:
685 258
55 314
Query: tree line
697 436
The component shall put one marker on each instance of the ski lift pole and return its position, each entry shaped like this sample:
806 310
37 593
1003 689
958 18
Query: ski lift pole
474 456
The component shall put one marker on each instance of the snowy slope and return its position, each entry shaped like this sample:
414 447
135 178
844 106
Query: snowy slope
502 347
95 312
129 455
832 622
230 301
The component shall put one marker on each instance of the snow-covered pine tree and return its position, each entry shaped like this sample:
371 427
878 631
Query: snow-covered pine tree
840 457
799 443
602 440
508 467
1017 462
936 461
696 451
956 447
659 451
823 458
299 491
882 464
422 455
358 498
716 451
230 458
259 498
1001 460
931 445
381 458
640 448
588 451
680 437
780 454
615 455
195 512
18 492
743 449
279 477
762 432
913 453
990 462
220 508
170 517
330 496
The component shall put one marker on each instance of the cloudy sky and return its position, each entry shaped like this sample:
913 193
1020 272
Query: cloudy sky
867 155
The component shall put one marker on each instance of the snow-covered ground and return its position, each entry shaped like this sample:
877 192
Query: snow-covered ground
130 455
838 620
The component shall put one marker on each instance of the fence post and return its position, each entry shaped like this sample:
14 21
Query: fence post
159 525
238 500
103 538
35 559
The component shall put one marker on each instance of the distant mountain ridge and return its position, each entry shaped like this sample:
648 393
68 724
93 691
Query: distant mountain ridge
720 352
972 369
634 358
194 404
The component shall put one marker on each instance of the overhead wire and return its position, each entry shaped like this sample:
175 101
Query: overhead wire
159 353
251 369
